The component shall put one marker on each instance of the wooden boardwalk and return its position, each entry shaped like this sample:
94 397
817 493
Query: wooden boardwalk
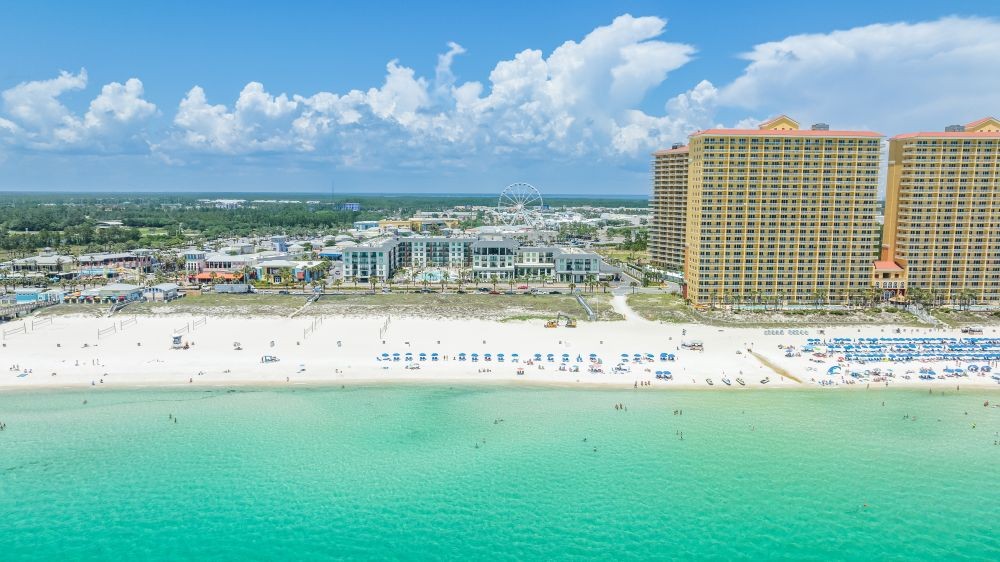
11 311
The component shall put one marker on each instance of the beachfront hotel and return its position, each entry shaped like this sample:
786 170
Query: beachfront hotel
780 213
669 208
942 217
484 258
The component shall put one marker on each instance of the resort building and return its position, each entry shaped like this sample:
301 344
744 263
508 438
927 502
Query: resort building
377 258
669 206
484 258
46 263
780 213
942 217
434 251
106 263
494 259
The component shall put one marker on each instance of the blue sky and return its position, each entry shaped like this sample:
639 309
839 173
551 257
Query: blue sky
455 97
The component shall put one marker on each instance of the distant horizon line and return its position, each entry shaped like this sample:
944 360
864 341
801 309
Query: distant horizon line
319 193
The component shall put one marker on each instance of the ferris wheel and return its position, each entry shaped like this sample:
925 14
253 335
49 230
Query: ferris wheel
520 204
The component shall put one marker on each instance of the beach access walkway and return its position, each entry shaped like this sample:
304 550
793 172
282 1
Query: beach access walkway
11 311
620 303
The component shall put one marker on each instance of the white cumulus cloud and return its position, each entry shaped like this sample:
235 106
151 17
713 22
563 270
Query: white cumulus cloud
891 77
588 100
36 118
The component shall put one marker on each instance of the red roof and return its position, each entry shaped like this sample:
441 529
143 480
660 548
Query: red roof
978 122
887 266
951 134
776 133
665 151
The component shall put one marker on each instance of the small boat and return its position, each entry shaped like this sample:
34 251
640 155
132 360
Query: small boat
710 383
765 380
740 382
726 381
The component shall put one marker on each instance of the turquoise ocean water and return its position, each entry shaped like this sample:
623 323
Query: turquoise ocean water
417 472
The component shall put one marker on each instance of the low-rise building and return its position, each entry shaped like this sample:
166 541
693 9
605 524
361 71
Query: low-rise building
24 295
279 271
45 263
120 292
104 263
420 224
163 292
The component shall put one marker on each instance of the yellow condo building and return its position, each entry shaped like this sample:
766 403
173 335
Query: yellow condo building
942 217
781 214
669 207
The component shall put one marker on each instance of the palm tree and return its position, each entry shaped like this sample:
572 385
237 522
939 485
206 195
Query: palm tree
874 295
967 296
635 285
604 286
856 297
286 276
572 287
917 295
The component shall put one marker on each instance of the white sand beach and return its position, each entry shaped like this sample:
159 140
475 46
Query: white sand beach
67 352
